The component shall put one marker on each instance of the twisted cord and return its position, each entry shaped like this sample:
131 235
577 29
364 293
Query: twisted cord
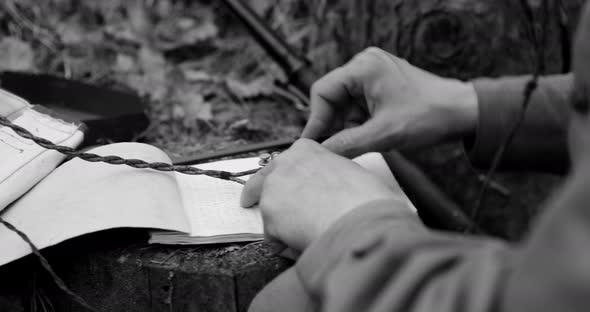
116 160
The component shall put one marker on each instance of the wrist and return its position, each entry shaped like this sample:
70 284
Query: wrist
465 110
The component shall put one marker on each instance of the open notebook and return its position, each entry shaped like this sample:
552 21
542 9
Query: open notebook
80 197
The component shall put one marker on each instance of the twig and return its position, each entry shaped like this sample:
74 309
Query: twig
24 22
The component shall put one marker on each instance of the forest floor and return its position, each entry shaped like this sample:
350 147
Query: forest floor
209 85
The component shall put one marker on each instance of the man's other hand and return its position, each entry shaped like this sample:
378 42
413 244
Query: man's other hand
379 102
307 188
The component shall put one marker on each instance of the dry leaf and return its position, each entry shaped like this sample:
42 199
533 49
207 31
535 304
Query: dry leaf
262 86
151 61
261 6
172 34
194 75
152 79
70 33
124 63
178 112
16 55
195 106
123 32
139 18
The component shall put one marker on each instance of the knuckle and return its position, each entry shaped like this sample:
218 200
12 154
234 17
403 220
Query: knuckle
366 65
374 50
326 82
344 142
305 147
302 143
316 87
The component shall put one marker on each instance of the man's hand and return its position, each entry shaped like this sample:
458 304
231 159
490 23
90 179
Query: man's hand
380 102
307 188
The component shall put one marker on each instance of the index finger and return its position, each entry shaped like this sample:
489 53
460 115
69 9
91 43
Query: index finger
253 188
330 93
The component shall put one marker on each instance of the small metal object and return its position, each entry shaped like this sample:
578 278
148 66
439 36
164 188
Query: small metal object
265 158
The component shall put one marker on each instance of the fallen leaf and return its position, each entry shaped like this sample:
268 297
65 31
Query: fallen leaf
262 86
139 18
178 112
195 106
200 32
16 55
244 129
196 75
149 85
152 78
261 6
151 61
171 34
70 33
123 32
124 63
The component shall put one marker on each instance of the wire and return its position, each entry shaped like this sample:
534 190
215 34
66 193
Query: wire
539 43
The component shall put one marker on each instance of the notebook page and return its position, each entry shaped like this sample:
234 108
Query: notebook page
22 162
213 205
213 208
376 164
81 197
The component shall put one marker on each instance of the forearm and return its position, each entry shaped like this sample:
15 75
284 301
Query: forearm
542 132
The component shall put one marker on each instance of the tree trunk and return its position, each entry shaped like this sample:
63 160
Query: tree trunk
461 38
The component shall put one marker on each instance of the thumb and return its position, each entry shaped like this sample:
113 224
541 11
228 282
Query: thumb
353 142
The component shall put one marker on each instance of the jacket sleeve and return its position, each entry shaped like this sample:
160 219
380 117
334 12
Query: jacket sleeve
543 131
375 259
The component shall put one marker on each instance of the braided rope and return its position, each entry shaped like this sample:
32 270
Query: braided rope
116 160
